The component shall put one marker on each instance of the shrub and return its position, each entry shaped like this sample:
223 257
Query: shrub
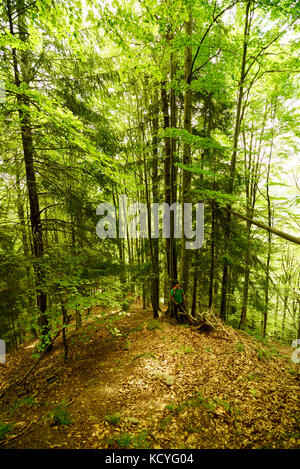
114 418
4 429
20 402
59 415
153 325
239 347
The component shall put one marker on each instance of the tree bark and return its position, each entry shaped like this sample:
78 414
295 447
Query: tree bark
186 159
27 143
234 157
155 196
269 236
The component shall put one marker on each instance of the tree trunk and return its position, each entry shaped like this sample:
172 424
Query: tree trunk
64 332
27 143
186 175
167 173
212 258
194 297
237 126
155 195
243 319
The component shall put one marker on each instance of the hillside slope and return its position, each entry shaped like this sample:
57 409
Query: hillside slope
158 385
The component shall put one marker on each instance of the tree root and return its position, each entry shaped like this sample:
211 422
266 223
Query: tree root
204 322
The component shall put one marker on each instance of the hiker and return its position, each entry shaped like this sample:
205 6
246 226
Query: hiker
178 298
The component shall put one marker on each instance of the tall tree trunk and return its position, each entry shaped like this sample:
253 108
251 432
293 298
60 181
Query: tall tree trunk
237 126
269 233
167 172
173 176
276 314
154 295
212 257
285 305
243 319
27 143
186 159
119 241
155 195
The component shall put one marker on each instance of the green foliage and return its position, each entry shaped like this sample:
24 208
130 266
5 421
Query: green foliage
145 355
113 418
85 92
168 379
127 345
127 440
239 347
141 440
198 401
163 423
262 354
122 442
59 415
30 401
154 324
182 349
4 429
268 353
137 328
170 407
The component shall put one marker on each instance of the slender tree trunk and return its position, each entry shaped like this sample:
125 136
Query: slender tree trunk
186 159
167 172
154 294
170 192
194 296
64 332
27 143
298 332
15 340
243 319
119 241
234 157
26 250
285 304
173 176
155 194
269 233
212 258
276 314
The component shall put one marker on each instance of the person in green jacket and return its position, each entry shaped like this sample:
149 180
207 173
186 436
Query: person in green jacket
178 298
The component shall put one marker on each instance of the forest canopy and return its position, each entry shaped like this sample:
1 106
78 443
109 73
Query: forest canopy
166 102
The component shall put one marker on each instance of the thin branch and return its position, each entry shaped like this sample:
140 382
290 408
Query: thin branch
22 10
205 34
266 47
206 62
49 206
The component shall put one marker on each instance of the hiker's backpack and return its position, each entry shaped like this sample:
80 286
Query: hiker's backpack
174 289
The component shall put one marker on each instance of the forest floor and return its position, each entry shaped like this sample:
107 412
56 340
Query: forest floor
158 385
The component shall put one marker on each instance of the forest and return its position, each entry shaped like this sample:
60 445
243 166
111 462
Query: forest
146 144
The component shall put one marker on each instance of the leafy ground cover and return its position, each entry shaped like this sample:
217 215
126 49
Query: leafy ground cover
157 385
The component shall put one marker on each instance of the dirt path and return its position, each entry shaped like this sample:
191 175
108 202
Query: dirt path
158 385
